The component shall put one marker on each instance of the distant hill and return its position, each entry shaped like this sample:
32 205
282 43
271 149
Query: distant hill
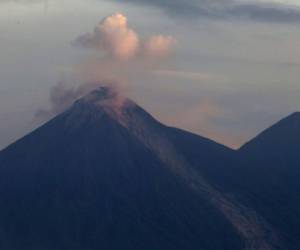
272 174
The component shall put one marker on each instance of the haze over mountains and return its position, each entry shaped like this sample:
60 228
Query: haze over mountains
105 174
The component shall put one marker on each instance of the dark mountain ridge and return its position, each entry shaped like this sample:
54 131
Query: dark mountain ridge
271 175
105 174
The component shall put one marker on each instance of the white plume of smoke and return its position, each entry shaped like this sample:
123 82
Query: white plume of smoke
62 96
120 54
113 37
159 46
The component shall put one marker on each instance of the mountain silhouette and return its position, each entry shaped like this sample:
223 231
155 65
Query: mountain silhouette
91 179
105 174
272 175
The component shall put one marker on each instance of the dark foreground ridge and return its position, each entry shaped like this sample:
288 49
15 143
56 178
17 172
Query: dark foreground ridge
106 175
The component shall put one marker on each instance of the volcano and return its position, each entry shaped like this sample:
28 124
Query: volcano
101 175
105 174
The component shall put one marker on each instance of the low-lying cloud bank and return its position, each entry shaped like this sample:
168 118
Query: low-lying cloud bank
267 11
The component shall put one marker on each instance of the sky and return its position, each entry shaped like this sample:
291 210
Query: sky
232 72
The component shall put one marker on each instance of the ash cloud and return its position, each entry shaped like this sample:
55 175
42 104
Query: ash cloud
62 96
118 41
119 53
113 36
159 46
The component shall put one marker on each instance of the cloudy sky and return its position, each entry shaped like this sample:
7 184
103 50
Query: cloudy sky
230 68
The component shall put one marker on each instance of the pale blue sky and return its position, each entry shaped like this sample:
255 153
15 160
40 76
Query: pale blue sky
230 77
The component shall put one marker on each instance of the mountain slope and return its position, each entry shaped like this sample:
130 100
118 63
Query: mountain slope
105 176
279 144
209 169
271 176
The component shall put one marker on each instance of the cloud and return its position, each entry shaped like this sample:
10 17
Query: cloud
24 1
115 39
159 46
120 53
227 9
63 95
266 11
113 36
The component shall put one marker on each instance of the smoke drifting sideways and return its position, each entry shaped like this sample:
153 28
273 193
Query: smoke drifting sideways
118 53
